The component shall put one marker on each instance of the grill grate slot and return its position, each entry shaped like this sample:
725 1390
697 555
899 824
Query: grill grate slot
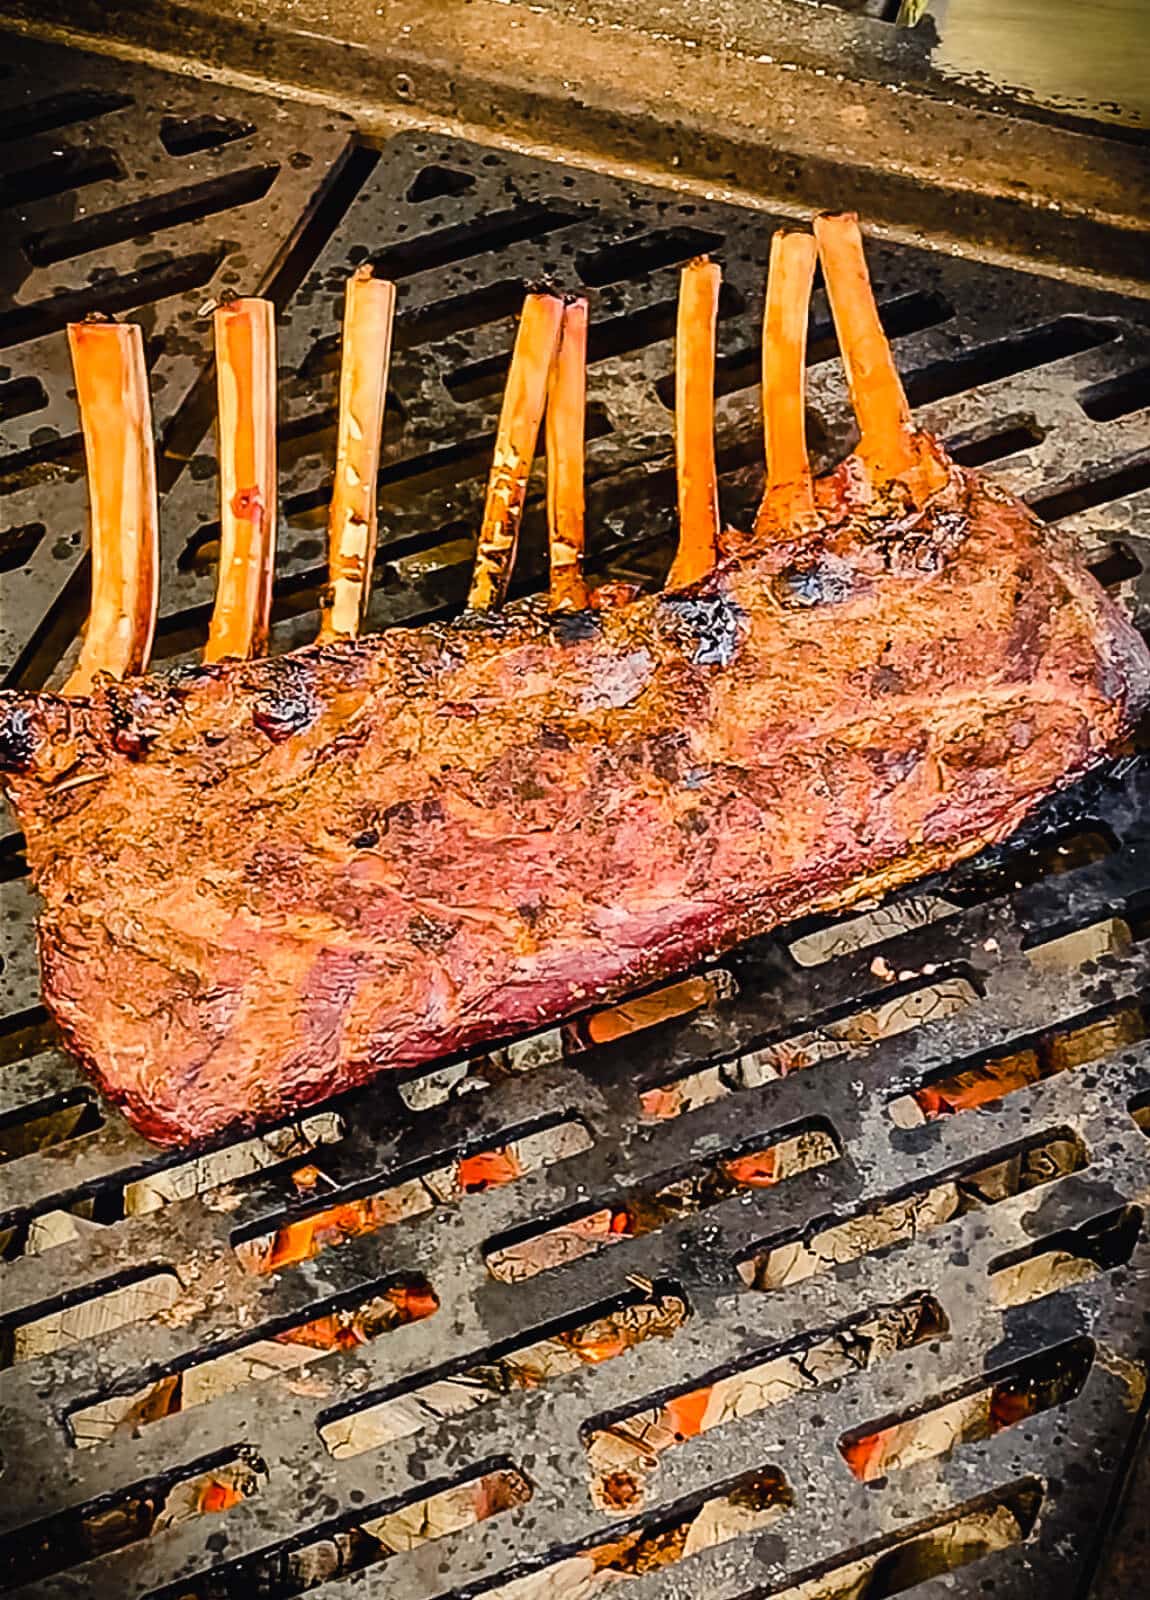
20 397
929 1550
1117 397
187 136
976 1411
121 292
187 204
338 1326
348 1214
140 1511
60 111
624 1452
598 1334
350 1545
779 1264
747 1505
134 1296
990 363
445 246
42 1125
60 173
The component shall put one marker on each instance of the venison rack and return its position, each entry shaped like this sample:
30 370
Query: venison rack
374 854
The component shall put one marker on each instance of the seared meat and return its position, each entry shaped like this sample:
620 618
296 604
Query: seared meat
266 881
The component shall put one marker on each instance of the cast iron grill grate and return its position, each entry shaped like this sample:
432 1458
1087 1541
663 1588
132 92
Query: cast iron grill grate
823 1275
124 190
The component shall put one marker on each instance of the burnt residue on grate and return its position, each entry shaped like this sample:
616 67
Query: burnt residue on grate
820 1267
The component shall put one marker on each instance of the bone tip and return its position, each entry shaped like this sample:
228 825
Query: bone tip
795 242
231 304
96 328
540 289
836 222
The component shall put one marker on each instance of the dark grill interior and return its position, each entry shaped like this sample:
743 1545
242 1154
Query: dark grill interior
822 1275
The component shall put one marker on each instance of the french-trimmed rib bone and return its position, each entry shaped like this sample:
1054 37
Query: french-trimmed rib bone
889 448
789 499
116 418
695 423
369 310
566 412
524 400
246 384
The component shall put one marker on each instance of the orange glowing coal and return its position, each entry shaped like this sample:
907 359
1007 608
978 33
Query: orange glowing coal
488 1170
304 1238
756 1171
866 1457
218 1494
965 1091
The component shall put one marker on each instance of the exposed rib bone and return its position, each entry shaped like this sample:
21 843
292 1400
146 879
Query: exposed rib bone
369 310
246 379
695 423
524 400
116 417
566 412
890 450
789 496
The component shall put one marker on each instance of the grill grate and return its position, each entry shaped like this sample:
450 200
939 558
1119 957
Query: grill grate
719 1295
151 199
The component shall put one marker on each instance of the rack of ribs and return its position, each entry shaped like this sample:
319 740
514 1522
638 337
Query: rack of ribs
266 880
